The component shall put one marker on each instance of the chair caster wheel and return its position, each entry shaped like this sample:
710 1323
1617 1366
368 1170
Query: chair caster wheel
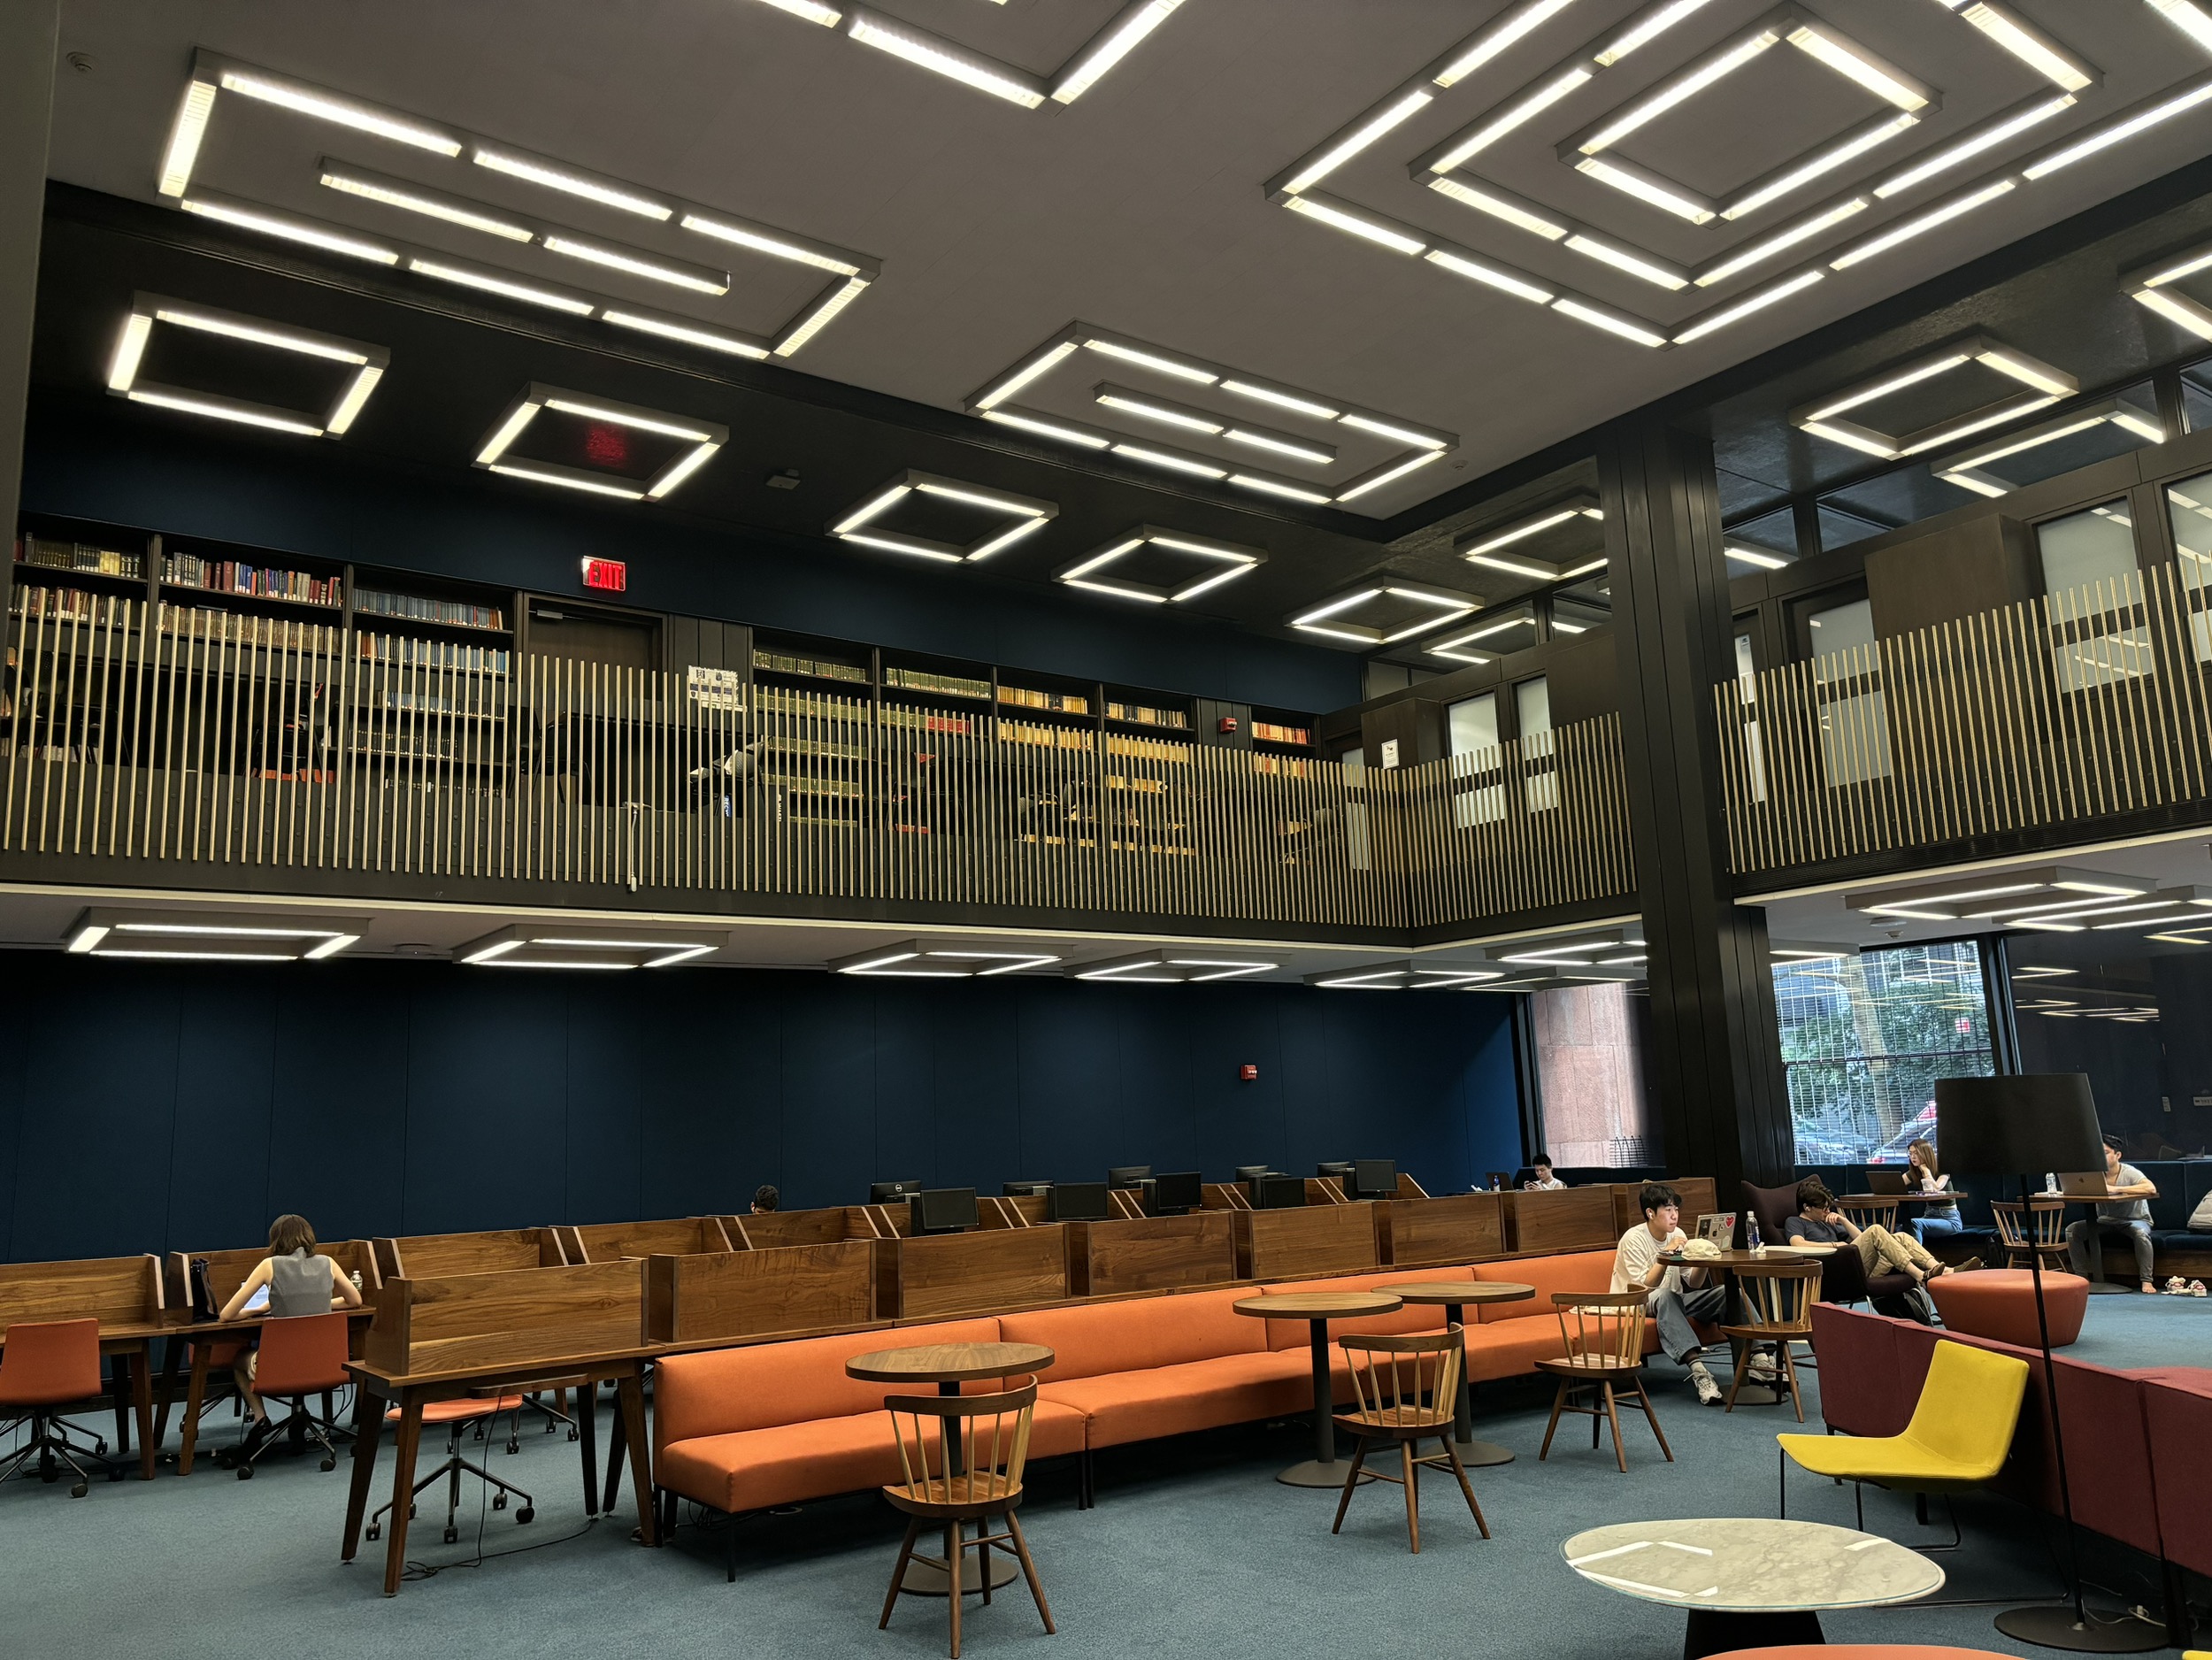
514 1447
99 1446
80 1490
329 1464
499 1501
49 1476
116 1474
375 1530
525 1516
245 1473
411 1512
452 1535
572 1434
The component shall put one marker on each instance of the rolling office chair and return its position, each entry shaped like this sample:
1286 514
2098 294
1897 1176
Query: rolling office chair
453 1415
44 1366
302 1356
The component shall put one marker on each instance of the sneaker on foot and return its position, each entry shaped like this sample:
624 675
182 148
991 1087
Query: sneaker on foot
1708 1391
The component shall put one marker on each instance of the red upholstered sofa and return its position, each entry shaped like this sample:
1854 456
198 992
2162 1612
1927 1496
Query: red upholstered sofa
742 1429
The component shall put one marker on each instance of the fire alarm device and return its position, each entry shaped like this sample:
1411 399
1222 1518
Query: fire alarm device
1248 1073
1226 725
609 574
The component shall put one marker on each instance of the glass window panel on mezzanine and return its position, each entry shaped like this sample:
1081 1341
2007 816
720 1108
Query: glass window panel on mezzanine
1846 677
1864 1038
1478 760
2094 591
2189 514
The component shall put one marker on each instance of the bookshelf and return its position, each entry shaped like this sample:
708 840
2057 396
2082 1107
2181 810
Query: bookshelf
814 664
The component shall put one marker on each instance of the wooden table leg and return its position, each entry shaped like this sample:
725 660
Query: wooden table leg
618 1446
368 1430
165 1391
119 1397
588 1438
403 1448
194 1395
142 1402
632 1394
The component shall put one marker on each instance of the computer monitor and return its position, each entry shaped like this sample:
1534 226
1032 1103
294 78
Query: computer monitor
1025 1189
1245 1172
891 1191
943 1210
1128 1175
1374 1178
1079 1201
1336 1168
1277 1193
1177 1192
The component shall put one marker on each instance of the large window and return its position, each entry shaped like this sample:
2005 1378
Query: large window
2095 593
1591 1042
1864 1038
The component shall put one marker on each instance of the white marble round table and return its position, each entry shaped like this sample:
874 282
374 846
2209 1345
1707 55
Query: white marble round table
1750 1582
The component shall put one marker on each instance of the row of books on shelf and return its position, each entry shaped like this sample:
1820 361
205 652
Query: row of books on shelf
819 668
944 685
1043 737
1149 750
437 654
1058 702
1283 765
1145 715
230 576
457 614
51 553
1270 732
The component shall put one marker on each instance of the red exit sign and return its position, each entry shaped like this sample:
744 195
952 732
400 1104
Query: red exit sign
610 574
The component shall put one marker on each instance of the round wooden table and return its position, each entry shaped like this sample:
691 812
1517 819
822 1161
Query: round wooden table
948 1365
1725 1263
1317 1309
1453 1296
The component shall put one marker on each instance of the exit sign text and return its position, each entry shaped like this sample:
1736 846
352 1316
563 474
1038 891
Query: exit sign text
610 574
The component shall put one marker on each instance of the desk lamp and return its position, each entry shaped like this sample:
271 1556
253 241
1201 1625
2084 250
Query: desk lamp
2020 1126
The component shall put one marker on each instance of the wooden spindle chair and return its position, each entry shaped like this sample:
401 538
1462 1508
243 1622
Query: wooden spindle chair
1778 1305
1406 1388
2038 1229
961 1459
1603 1335
1864 1213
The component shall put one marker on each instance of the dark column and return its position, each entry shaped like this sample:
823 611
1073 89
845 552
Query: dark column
1715 1053
29 30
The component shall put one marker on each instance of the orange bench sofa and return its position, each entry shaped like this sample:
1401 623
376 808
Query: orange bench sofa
743 1429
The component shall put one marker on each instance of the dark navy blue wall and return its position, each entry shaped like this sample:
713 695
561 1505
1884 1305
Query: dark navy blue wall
159 1106
110 462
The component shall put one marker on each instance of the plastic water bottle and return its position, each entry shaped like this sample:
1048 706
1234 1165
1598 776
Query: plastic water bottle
1751 1234
2050 1181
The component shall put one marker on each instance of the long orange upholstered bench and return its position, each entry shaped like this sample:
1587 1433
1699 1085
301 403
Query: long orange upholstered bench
743 1429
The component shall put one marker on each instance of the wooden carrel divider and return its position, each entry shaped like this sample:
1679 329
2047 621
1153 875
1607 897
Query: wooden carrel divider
1307 1242
704 1296
436 1255
1457 1228
113 1290
226 1270
991 1268
610 1242
1155 1253
1569 1219
520 1317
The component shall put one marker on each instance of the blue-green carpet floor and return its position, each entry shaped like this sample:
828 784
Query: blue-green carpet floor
1192 1546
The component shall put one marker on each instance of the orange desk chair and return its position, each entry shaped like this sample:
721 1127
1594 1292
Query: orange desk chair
454 1415
44 1366
302 1355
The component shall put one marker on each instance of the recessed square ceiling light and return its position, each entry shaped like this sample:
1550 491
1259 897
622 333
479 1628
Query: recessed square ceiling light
1824 417
1023 515
1408 976
1970 472
213 935
1219 562
705 436
1499 548
1487 641
566 945
1333 616
2156 287
1175 964
367 362
941 959
1983 893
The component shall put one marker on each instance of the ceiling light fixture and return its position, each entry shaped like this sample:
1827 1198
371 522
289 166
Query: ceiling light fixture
679 328
1049 429
1647 187
1685 83
1328 617
858 523
214 935
191 126
1478 270
934 53
1278 487
813 10
705 436
1171 461
505 286
1500 122
1714 321
1495 37
398 193
1111 45
1583 506
368 363
1942 214
1820 41
1404 976
312 233
1754 555
1175 965
1797 174
556 176
1298 448
1281 399
1167 414
1358 224
564 945
1648 28
2033 48
1389 473
696 278
2002 130
2045 382
2141 118
1486 198
1611 322
2189 17
1152 358
1967 471
777 244
927 959
1224 562
1759 252
1623 259
1326 159
817 316
1403 435
306 100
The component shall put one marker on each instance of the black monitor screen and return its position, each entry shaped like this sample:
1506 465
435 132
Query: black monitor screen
1374 1178
1025 1189
1277 1193
1128 1175
1245 1172
1079 1201
1177 1190
886 1192
1339 1168
942 1210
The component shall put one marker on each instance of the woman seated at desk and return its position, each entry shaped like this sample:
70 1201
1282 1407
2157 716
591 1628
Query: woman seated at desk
290 1280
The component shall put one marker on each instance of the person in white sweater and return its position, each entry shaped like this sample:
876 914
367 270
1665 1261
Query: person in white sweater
1675 1297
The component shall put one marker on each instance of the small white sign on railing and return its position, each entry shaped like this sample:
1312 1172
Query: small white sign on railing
715 688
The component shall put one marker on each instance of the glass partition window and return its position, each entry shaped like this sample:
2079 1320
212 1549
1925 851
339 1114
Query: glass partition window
1531 709
2189 510
1847 675
1747 687
1477 762
2095 594
1864 1038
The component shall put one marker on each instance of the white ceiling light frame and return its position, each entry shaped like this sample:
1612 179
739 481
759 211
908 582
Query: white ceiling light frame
941 959
1330 618
1825 417
1460 646
1174 965
1076 346
1970 472
1220 562
248 936
2154 286
1499 548
943 56
567 945
212 74
1026 515
706 437
1406 976
1608 954
367 362
1983 893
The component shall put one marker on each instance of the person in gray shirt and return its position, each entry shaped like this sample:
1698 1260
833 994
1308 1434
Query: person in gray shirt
2129 1207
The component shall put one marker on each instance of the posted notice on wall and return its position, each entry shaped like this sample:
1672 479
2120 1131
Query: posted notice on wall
715 688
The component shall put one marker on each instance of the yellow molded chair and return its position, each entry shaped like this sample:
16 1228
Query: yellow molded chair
1960 1436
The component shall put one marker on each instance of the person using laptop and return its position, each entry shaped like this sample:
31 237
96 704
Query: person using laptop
292 1280
1542 1179
1674 1296
1922 1175
2128 1206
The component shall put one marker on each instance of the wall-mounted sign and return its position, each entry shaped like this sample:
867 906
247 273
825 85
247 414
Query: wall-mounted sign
609 574
715 688
1389 752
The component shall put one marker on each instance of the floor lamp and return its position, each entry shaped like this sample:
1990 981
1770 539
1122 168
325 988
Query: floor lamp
2018 1127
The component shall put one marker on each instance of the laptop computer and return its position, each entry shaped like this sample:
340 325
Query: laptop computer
1886 1181
2083 1184
1719 1226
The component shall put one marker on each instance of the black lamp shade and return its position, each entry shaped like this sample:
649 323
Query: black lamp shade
2020 1124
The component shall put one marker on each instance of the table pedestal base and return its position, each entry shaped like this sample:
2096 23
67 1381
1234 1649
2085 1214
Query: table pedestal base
923 1579
2054 1628
1316 1473
2106 1287
1715 1630
1481 1455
